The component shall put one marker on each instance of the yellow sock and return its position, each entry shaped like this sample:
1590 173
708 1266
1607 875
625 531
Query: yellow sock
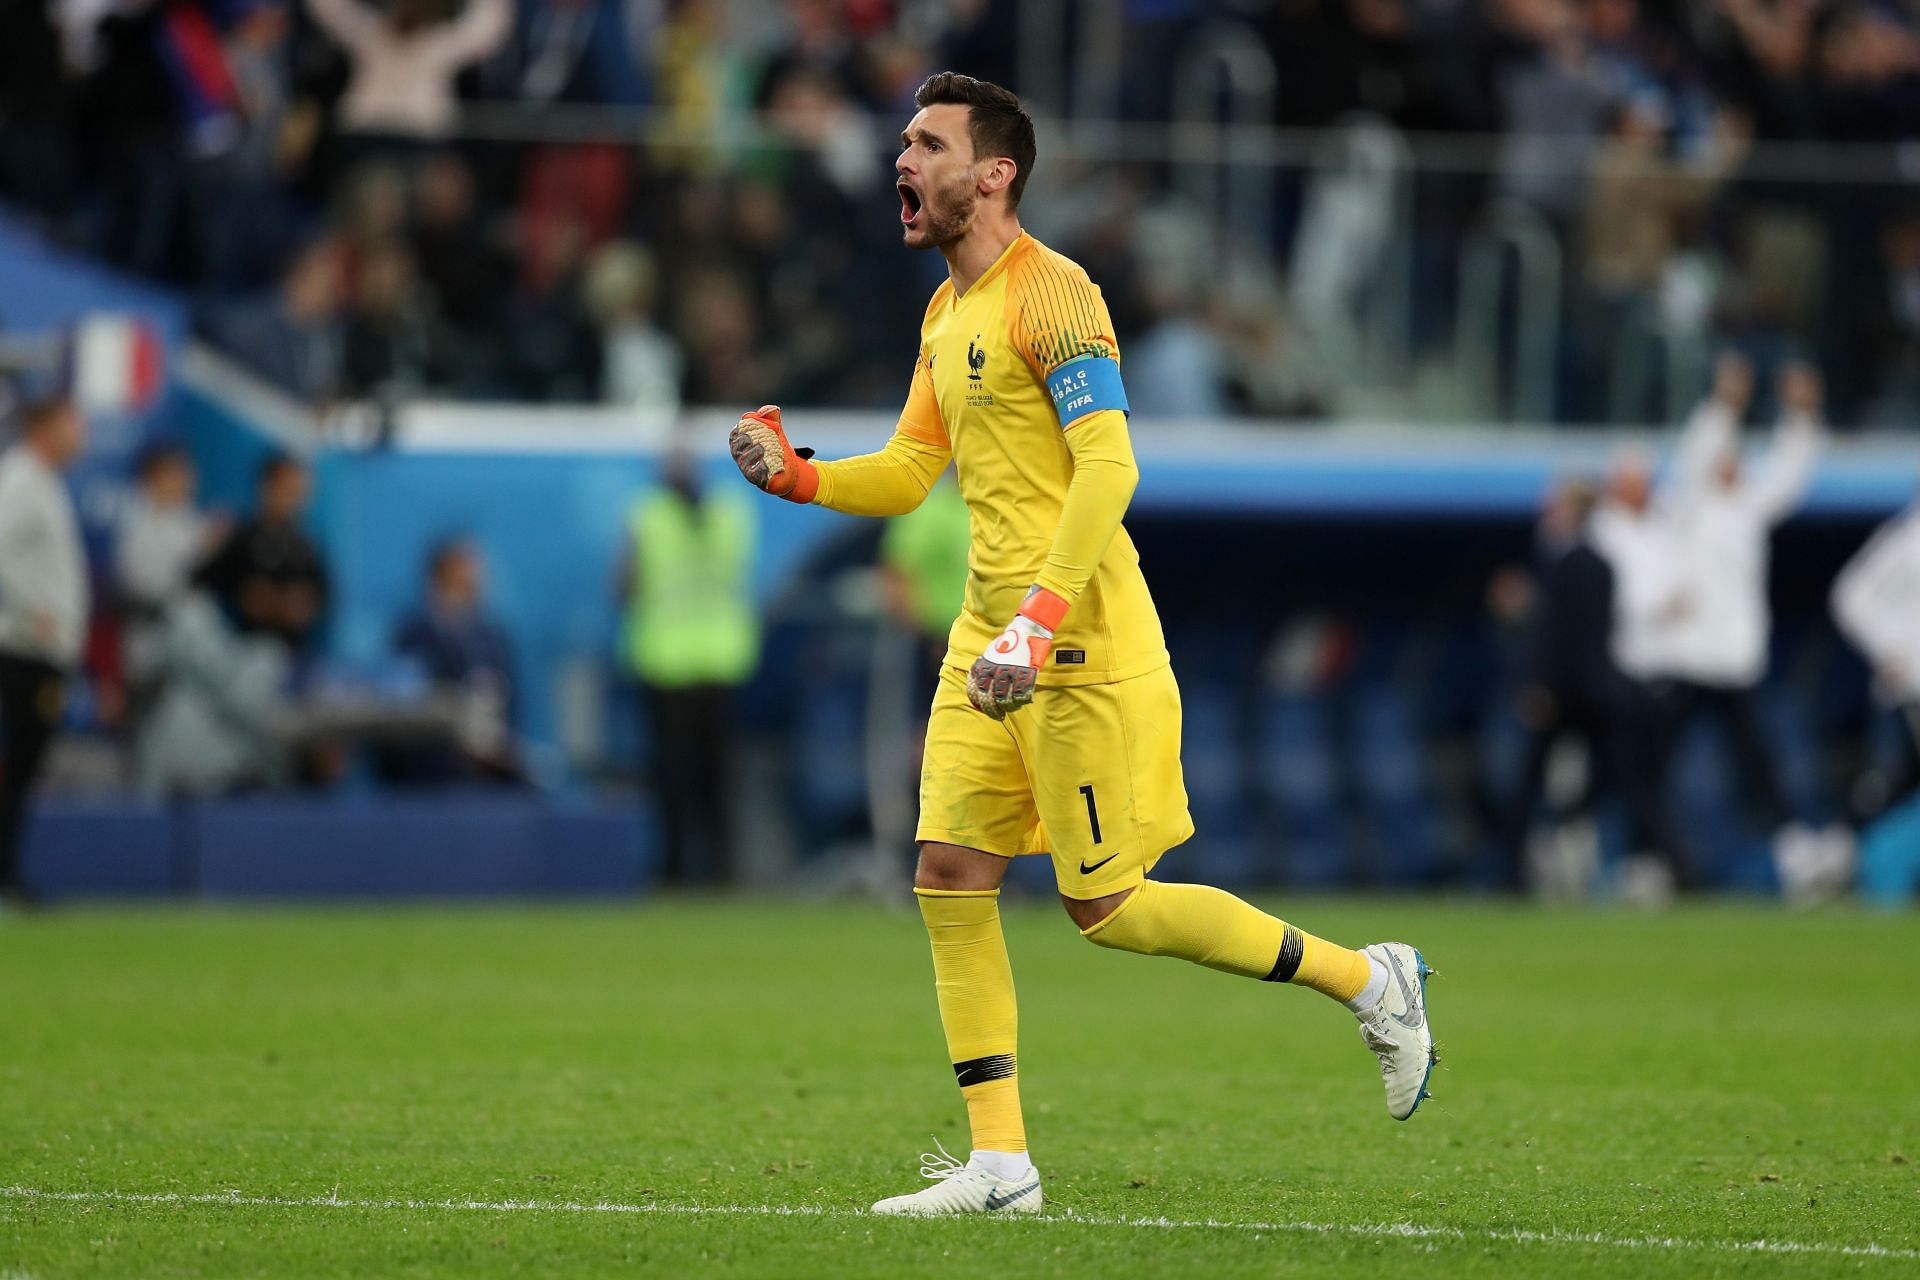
974 981
1212 927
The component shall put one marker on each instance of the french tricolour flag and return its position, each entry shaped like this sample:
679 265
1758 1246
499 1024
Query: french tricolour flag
118 364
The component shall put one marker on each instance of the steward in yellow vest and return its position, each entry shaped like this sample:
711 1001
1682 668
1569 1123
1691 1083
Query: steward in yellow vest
690 613
692 638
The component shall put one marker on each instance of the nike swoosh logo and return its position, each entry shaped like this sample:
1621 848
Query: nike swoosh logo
1001 1199
1419 1015
1086 870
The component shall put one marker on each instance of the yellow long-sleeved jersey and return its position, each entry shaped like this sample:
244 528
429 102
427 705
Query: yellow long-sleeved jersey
1045 500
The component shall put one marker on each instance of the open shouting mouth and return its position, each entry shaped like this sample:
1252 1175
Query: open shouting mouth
911 205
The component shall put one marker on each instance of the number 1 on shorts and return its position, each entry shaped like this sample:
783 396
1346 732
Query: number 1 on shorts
1093 812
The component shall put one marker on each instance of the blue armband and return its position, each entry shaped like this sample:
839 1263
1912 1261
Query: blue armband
1086 385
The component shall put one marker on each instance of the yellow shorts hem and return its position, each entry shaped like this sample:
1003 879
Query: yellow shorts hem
1130 879
966 840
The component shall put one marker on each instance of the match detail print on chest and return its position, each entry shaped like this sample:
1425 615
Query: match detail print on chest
971 354
979 391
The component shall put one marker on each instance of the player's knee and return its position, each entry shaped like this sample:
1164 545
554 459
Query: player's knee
936 876
1088 912
952 869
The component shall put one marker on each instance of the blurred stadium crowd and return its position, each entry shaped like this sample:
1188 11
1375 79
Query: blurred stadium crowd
1571 211
687 200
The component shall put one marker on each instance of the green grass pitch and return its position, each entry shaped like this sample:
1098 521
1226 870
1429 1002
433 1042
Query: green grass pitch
720 1088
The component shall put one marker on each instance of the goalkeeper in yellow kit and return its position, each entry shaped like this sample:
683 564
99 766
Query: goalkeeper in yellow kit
1056 725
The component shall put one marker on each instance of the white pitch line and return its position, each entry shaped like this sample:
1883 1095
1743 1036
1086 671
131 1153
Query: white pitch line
1371 1231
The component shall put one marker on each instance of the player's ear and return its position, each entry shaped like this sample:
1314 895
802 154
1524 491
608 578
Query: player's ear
997 175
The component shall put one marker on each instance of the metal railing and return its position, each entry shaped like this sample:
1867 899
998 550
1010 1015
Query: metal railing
1406 278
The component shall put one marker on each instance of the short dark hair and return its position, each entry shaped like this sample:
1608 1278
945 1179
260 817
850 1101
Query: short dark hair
43 412
1581 496
997 123
159 454
442 554
276 465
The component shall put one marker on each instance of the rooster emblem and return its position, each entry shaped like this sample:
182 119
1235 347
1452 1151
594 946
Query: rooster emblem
976 361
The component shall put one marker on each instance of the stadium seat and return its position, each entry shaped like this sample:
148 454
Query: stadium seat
1214 760
1300 789
1388 767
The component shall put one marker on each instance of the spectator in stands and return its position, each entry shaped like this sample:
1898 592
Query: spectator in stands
725 358
390 346
555 353
1721 515
293 339
211 704
1556 100
179 158
814 40
692 639
1177 364
405 59
268 573
370 208
691 65
1650 598
1867 59
1574 688
590 51
1641 205
1893 325
160 117
640 365
43 609
163 537
465 267
39 165
1272 370
833 143
1876 602
465 656
577 51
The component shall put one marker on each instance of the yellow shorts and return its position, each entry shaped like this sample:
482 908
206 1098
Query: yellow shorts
1088 773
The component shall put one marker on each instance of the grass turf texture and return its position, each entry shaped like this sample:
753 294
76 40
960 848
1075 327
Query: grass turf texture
1687 1081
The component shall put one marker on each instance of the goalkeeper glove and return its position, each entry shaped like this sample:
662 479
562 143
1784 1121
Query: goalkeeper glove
760 449
1002 680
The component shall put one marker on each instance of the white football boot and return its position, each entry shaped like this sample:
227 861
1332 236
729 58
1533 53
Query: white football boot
964 1188
1397 1030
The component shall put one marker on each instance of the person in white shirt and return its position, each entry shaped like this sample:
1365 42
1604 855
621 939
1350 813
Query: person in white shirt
1637 540
162 536
1573 688
405 60
161 539
43 608
1633 535
1876 602
1719 515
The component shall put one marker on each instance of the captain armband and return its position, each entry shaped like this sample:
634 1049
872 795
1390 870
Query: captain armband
1090 384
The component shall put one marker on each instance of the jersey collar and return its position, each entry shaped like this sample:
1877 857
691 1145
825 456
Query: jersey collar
1007 255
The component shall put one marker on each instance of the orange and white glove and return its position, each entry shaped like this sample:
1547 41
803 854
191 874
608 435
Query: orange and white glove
1003 678
760 449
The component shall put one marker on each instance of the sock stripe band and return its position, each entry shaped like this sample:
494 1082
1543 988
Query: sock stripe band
998 1066
1288 964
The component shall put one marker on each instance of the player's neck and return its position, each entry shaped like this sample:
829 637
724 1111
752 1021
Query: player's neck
969 257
